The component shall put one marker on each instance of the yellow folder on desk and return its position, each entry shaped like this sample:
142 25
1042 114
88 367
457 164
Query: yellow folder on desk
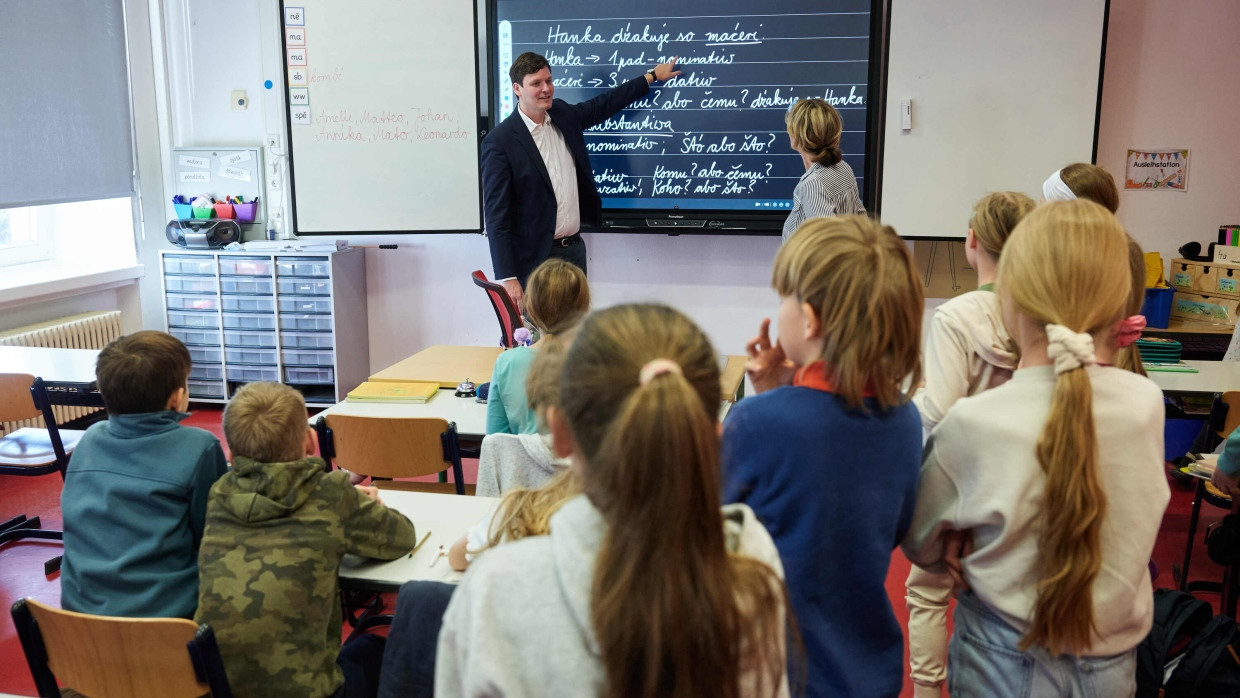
372 391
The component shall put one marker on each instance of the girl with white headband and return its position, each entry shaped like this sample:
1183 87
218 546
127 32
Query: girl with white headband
643 586
1081 180
1050 485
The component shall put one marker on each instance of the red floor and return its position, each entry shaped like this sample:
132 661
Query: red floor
21 563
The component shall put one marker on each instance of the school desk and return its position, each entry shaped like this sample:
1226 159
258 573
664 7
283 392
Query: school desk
68 374
470 416
1211 377
1200 340
446 517
449 365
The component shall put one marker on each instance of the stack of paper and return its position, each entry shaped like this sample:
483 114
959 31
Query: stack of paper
1203 467
376 391
1177 367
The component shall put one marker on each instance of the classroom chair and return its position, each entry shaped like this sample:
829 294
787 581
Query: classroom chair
394 447
31 451
505 309
108 657
1229 587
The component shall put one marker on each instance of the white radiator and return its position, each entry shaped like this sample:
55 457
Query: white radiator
85 331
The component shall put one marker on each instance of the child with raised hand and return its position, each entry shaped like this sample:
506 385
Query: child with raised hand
829 459
1057 476
968 350
639 589
135 492
556 297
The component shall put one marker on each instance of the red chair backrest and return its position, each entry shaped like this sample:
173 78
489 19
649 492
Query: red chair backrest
505 309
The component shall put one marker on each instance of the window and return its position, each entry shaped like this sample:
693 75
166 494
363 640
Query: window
26 234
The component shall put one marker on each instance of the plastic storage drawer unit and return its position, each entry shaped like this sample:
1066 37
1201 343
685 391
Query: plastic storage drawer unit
190 284
178 301
250 356
253 373
243 304
292 322
304 287
305 340
210 338
319 306
249 321
245 338
207 372
306 357
295 266
316 376
207 355
208 389
246 266
184 318
246 286
202 266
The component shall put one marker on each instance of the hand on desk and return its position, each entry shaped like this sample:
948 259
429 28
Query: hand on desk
518 296
1228 485
768 367
372 492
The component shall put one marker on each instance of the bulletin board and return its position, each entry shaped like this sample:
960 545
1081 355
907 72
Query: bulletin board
220 172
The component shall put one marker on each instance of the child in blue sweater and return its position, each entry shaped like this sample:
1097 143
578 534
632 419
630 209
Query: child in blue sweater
827 454
135 493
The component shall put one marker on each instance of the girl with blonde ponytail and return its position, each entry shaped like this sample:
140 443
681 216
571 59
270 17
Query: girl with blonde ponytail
644 586
1057 476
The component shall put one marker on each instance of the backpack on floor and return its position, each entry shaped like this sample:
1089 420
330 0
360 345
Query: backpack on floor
1189 651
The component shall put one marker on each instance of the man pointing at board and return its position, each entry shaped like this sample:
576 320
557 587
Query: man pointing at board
538 187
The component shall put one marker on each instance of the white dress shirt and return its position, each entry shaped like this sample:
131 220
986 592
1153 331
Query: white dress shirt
563 172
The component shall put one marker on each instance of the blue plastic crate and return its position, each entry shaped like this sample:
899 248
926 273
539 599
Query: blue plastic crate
1157 307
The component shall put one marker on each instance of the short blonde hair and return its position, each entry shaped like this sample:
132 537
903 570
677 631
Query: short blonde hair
266 422
858 276
815 127
556 295
995 217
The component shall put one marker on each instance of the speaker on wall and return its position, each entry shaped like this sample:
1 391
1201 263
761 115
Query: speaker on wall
203 233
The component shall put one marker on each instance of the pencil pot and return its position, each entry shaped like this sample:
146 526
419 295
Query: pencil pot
201 212
245 212
223 210
184 211
1157 307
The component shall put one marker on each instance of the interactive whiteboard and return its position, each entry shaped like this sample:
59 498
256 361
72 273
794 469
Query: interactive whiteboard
382 111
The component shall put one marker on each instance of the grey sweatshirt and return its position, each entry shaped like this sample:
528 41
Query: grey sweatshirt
509 461
519 625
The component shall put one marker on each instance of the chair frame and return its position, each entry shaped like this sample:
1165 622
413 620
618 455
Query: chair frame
204 654
449 440
507 338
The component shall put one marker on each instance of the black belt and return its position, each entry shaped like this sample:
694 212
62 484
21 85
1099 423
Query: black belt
567 241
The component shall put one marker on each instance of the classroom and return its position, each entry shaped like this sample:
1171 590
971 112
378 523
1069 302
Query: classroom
991 87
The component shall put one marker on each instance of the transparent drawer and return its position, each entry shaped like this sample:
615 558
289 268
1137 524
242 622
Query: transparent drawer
249 321
306 357
303 323
246 266
190 336
213 389
208 355
210 372
190 284
255 286
189 264
189 318
304 287
259 304
303 266
321 306
250 356
245 338
309 375
305 340
253 373
177 301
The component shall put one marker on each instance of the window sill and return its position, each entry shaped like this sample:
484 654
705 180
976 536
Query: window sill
43 281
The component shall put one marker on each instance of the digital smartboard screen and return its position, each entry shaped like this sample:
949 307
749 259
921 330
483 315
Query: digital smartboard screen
709 146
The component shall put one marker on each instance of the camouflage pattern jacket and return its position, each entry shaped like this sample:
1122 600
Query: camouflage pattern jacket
275 534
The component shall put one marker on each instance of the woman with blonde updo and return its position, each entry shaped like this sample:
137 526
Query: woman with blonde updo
1056 477
828 187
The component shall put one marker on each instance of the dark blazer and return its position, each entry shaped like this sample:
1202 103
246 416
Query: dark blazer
518 201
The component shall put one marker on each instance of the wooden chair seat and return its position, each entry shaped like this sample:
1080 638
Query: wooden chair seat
30 448
393 447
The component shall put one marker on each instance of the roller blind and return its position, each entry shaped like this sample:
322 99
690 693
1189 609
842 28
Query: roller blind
66 133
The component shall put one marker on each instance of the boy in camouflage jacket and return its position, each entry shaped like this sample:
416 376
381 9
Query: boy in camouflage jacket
277 527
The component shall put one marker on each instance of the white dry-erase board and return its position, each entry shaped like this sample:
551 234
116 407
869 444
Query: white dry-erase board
1003 94
382 108
219 173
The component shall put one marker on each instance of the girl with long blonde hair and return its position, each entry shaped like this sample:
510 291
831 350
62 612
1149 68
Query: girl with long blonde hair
644 586
1057 476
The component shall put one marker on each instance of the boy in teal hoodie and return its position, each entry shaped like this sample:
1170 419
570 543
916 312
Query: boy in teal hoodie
135 492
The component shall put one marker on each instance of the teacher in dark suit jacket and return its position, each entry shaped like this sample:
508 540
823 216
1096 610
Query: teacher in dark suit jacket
538 187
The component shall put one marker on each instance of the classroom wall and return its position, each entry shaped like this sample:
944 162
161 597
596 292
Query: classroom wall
1171 82
420 294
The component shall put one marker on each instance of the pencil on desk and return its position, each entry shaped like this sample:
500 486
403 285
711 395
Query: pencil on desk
415 548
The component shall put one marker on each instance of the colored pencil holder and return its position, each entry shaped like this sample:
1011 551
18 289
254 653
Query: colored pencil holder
200 212
184 211
223 210
245 212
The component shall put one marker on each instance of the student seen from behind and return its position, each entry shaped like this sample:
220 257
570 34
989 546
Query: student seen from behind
277 526
1044 495
827 454
643 586
135 492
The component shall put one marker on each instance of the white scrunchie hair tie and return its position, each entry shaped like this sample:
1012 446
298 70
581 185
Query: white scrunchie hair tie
1053 189
657 367
1069 350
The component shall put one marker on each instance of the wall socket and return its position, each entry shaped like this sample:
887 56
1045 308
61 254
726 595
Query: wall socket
274 183
273 142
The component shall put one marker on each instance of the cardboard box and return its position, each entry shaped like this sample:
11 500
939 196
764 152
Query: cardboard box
1214 309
